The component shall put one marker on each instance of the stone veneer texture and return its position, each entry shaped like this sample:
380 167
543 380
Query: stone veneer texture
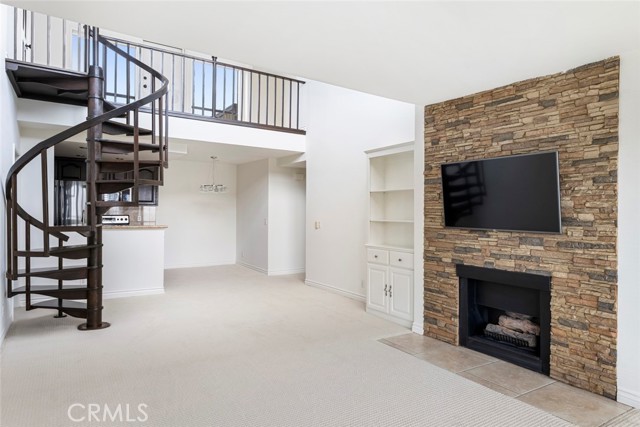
576 114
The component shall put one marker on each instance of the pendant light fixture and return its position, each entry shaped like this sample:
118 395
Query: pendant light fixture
213 187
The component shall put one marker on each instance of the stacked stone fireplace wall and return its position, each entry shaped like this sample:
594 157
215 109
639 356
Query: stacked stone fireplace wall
576 114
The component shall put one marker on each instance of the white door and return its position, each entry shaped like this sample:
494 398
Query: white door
377 287
401 293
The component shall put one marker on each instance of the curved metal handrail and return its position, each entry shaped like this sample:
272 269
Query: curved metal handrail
74 130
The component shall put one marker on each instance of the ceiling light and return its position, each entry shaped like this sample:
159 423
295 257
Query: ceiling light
213 187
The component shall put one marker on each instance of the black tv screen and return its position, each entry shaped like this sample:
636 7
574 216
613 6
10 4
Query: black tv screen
516 193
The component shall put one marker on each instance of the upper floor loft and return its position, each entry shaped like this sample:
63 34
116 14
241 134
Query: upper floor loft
201 87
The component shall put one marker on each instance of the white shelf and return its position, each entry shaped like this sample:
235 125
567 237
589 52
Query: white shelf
391 247
399 221
390 190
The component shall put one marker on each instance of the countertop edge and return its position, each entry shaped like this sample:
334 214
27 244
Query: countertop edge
134 227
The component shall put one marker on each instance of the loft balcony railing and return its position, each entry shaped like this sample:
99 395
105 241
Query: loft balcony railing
201 88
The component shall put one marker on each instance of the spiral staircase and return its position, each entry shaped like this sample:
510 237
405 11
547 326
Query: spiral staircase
117 148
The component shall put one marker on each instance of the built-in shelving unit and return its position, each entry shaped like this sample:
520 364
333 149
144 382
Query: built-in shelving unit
391 226
391 197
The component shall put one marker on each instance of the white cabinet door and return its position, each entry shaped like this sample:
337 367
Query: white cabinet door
376 287
401 293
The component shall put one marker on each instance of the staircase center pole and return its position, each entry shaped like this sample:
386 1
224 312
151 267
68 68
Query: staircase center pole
94 134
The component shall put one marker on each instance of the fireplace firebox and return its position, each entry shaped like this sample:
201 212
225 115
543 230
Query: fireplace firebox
506 315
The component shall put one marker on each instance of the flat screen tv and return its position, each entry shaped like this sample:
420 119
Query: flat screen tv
515 193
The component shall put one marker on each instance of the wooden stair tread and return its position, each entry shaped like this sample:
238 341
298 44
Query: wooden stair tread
40 270
70 307
43 288
129 181
46 83
127 161
77 228
116 128
112 204
125 165
118 147
66 304
107 106
70 248
56 251
73 292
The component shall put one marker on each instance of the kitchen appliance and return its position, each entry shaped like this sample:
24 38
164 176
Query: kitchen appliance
115 219
70 202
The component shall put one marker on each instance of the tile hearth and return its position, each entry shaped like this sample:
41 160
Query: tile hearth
569 403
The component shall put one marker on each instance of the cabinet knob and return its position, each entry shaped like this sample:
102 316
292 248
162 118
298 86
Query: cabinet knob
375 256
399 259
385 290
389 290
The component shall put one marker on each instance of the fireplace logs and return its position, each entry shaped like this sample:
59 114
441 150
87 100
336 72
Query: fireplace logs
519 325
514 328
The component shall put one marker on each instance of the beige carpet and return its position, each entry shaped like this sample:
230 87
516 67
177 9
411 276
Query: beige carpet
226 346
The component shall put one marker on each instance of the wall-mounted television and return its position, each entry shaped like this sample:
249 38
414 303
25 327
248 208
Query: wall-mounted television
514 193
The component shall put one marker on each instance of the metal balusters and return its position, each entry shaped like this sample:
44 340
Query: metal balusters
173 82
214 90
45 201
27 263
203 86
275 101
184 84
241 96
250 96
153 113
259 95
246 97
64 43
60 282
297 105
14 224
290 100
128 83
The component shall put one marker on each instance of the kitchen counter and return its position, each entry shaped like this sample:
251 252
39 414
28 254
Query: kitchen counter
135 227
133 260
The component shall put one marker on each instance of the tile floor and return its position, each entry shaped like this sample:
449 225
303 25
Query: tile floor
569 403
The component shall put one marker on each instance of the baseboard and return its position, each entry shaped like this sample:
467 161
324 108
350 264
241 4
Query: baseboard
418 328
628 397
206 264
285 272
134 293
253 267
335 290
3 332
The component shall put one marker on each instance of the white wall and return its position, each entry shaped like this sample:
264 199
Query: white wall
286 219
629 231
201 226
341 125
252 215
9 135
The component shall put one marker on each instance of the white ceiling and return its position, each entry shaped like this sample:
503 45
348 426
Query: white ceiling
416 51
